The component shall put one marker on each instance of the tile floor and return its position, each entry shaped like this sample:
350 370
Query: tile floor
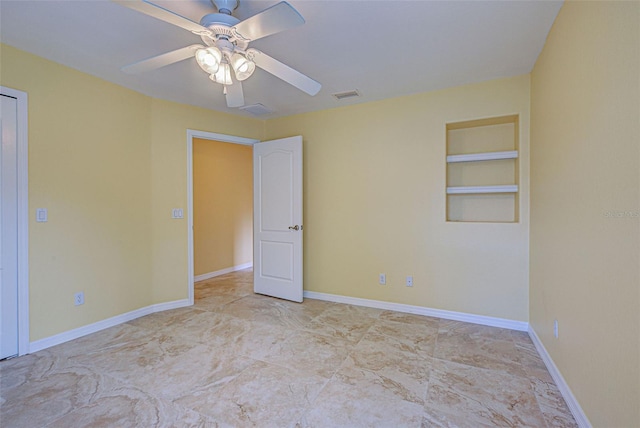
237 359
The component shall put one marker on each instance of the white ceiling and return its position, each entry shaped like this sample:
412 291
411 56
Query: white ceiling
382 48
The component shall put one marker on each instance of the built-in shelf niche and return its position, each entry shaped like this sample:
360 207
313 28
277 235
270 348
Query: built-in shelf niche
482 170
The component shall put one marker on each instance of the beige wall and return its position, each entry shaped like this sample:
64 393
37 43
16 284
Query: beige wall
90 166
109 164
222 205
169 122
585 166
374 201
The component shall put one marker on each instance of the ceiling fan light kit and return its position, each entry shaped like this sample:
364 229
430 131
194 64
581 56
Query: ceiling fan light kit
226 45
209 59
223 75
243 67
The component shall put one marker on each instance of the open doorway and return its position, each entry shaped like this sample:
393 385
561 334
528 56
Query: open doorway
220 205
222 208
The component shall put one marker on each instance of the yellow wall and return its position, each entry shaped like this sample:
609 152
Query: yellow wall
89 165
169 122
222 205
374 201
109 164
585 173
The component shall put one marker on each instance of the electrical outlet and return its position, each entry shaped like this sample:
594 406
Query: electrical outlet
555 328
382 279
78 298
409 281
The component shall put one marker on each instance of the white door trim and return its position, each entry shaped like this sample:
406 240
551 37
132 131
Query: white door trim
191 134
23 218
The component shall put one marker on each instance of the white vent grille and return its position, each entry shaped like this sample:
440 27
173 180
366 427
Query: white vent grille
256 109
347 94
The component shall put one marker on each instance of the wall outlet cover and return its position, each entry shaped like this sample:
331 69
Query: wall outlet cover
78 298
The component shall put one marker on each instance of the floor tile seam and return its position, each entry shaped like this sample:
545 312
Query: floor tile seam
329 336
223 386
236 297
542 406
492 342
486 369
426 393
271 363
234 300
434 319
539 406
330 379
382 377
450 413
407 323
368 315
396 338
435 342
320 314
475 400
363 336
311 405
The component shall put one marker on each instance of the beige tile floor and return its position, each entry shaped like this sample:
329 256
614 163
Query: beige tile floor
237 359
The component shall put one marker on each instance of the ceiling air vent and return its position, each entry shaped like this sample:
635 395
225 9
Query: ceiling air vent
348 94
256 109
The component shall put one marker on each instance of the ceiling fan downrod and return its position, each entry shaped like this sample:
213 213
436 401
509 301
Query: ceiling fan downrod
225 6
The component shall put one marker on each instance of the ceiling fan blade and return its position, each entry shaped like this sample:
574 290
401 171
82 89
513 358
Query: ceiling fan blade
163 14
234 94
275 19
161 60
284 72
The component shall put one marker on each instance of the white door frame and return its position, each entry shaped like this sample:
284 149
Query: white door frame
191 134
23 218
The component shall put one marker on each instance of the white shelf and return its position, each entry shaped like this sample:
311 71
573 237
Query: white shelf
473 157
510 188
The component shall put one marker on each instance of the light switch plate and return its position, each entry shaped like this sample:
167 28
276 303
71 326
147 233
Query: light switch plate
41 215
177 213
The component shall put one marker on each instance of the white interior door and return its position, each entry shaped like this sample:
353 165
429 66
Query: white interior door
8 228
277 218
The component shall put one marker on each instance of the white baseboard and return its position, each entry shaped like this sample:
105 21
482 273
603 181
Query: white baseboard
66 336
421 310
572 403
221 272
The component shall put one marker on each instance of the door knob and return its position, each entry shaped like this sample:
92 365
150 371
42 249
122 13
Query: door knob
296 227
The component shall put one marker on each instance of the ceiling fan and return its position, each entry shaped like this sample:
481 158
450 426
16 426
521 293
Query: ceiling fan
226 55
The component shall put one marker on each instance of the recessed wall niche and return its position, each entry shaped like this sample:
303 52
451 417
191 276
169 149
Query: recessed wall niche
482 170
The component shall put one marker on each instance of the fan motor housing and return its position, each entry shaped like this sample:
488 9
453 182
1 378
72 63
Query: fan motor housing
221 25
218 19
